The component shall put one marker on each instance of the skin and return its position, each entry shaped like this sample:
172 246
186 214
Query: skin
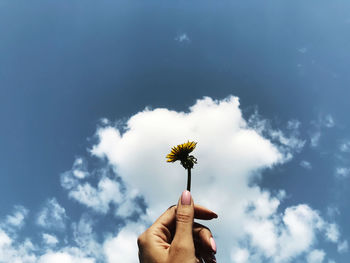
174 237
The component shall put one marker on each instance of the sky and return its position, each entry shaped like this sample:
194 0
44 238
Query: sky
93 95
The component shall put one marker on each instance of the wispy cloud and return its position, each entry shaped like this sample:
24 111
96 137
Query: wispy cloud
343 247
16 219
306 164
50 240
316 256
302 50
342 172
327 121
345 146
52 215
183 38
324 121
315 139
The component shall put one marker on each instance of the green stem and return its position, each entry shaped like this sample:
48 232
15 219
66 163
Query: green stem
189 179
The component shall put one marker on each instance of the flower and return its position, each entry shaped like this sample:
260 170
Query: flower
181 153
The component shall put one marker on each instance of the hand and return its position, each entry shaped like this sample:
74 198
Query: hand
174 238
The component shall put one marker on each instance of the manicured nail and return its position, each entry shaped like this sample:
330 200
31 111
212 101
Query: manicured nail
213 244
186 198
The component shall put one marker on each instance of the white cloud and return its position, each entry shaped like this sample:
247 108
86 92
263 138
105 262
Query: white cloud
231 152
52 215
333 211
293 125
240 256
332 232
11 251
79 171
316 256
183 38
343 247
61 256
302 50
315 139
306 164
17 218
288 142
298 232
328 121
324 121
345 146
124 245
98 198
50 240
342 172
85 237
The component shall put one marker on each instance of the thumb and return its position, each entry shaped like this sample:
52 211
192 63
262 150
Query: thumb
183 238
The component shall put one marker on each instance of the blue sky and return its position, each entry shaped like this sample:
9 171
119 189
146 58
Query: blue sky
76 75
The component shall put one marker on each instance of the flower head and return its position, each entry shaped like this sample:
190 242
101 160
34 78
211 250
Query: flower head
181 153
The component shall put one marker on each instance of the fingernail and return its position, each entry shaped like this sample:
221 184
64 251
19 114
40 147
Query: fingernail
186 198
213 244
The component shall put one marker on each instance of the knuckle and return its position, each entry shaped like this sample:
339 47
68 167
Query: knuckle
183 218
141 240
204 232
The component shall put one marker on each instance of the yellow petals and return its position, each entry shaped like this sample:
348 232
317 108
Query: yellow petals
181 153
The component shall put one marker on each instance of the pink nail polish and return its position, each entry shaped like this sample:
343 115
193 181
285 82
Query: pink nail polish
186 198
213 244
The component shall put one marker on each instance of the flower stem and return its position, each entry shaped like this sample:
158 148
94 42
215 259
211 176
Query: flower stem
189 179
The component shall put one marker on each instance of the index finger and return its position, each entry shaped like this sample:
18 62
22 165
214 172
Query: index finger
167 219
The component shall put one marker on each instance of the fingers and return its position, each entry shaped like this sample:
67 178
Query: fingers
204 243
184 218
167 219
165 224
182 246
200 212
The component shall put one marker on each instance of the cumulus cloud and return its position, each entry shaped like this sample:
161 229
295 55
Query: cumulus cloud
50 240
62 256
232 153
52 215
135 184
98 198
16 219
332 232
123 246
288 142
12 251
316 256
108 193
85 237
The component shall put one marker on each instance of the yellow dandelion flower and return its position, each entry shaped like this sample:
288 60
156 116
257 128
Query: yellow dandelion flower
181 153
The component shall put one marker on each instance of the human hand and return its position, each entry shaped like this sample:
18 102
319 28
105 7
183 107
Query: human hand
175 238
